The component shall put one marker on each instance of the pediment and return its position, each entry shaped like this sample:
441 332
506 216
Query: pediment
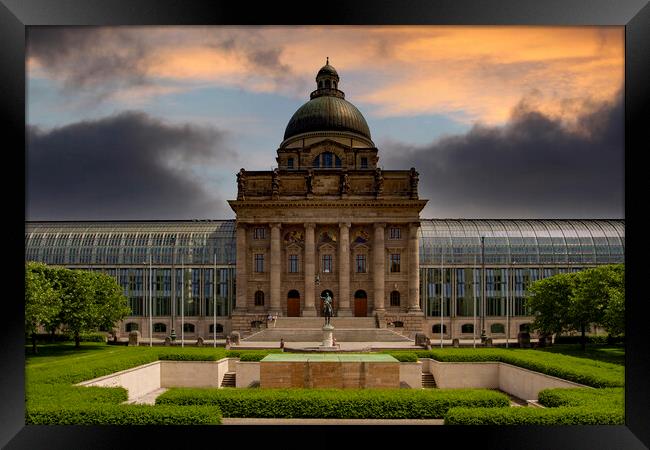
326 145
327 246
360 247
294 246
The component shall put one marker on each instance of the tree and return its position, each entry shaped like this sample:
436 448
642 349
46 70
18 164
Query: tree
548 300
111 303
574 301
42 300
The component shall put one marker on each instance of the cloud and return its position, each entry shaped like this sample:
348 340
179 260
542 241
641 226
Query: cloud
470 73
126 166
534 166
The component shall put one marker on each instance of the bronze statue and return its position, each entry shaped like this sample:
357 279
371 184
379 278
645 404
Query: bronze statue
379 181
328 312
308 181
241 185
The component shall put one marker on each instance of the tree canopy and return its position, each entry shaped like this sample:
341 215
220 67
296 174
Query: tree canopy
80 301
574 301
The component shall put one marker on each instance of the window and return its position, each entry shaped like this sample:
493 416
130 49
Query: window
290 163
497 328
467 328
524 328
159 328
219 328
327 160
364 163
259 263
394 262
259 298
259 233
361 263
395 233
131 326
327 263
188 328
436 329
394 298
293 263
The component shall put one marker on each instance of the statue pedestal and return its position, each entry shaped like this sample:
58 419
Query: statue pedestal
328 340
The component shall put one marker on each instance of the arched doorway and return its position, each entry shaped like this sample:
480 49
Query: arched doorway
360 304
322 294
293 303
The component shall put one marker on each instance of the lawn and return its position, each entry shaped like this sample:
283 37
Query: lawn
51 397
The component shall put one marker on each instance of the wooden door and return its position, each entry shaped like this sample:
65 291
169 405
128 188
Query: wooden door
293 307
360 307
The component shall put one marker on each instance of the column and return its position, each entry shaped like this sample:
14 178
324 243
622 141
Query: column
241 268
344 270
310 270
379 257
276 267
414 269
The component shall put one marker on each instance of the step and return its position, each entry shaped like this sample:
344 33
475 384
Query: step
229 380
428 381
316 335
318 322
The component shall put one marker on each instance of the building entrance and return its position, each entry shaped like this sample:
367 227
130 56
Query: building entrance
293 304
360 304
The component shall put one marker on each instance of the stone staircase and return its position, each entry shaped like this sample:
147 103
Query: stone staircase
316 335
229 380
318 322
428 382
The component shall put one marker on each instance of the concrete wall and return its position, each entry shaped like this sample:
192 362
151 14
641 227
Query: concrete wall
465 375
138 381
193 374
411 374
247 373
526 384
517 381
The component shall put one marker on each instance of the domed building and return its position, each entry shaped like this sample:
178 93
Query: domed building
327 221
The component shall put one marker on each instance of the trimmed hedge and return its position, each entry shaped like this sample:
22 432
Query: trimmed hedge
405 357
330 403
63 394
106 414
607 398
240 353
580 370
534 416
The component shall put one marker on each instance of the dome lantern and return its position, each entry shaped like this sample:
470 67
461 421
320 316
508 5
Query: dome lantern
327 82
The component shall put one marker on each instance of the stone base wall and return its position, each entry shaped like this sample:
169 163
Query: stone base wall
412 323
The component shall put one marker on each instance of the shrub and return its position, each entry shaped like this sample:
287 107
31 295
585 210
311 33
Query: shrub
610 398
60 394
106 414
601 339
254 354
335 403
404 357
533 416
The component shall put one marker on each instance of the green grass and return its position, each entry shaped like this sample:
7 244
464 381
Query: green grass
614 354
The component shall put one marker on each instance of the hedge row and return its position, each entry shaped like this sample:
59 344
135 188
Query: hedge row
251 355
583 415
189 357
328 403
106 414
65 394
609 398
68 337
580 370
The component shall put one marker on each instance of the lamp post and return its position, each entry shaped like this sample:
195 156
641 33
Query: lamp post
474 300
183 300
214 301
482 284
442 292
150 303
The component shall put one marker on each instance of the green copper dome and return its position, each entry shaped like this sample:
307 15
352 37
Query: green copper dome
327 113
327 110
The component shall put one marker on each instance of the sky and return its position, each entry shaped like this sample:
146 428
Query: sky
152 123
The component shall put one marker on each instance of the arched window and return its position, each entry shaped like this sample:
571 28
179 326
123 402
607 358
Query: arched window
327 160
394 298
219 328
328 83
524 327
259 298
159 328
293 294
436 328
467 328
188 328
131 326
497 328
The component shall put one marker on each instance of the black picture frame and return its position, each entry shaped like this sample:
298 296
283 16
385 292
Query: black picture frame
16 15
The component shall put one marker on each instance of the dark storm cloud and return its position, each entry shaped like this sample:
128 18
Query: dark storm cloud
127 166
534 166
